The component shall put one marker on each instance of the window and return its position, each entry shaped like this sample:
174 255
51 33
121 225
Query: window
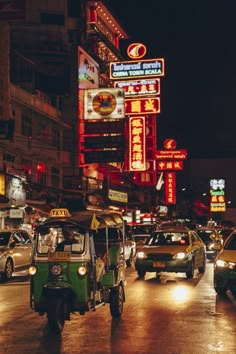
55 138
55 177
73 8
26 125
52 19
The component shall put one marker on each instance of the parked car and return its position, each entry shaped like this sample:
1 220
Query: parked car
225 267
16 248
172 250
210 237
140 232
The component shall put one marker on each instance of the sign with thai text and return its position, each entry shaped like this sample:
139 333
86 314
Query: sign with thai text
171 154
138 88
217 195
137 69
117 196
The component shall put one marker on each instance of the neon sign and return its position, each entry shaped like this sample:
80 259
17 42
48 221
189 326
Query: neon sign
137 151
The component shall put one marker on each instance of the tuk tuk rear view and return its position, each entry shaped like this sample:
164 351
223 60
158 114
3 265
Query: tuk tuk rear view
66 276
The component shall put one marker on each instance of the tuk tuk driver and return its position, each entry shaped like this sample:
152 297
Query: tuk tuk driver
69 239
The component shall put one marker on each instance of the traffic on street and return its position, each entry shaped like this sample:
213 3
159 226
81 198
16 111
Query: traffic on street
163 315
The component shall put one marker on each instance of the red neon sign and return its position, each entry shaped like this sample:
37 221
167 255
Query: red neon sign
138 88
170 165
137 151
170 187
142 106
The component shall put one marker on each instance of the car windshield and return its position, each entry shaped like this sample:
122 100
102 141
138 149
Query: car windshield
231 243
168 238
207 236
55 238
4 238
144 230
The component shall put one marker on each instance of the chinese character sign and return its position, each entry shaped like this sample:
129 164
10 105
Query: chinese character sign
217 195
170 187
137 151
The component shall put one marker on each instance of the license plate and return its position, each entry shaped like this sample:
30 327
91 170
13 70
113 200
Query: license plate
158 265
59 256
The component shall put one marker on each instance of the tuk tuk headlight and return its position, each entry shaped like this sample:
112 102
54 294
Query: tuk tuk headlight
32 270
56 269
82 270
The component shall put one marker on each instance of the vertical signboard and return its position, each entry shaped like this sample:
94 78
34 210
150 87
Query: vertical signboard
170 187
88 71
137 144
217 195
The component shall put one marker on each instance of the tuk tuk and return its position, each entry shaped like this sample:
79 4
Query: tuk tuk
68 274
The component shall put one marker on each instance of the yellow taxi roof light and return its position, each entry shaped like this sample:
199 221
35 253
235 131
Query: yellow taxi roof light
59 213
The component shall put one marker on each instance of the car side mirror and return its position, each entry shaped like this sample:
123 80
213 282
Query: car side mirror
12 244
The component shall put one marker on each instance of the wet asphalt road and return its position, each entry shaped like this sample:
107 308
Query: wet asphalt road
170 315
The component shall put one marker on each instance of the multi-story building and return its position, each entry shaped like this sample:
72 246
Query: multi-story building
39 98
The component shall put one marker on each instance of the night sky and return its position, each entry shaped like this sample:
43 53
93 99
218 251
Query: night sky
197 39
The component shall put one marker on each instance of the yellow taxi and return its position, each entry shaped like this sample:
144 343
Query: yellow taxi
172 250
225 266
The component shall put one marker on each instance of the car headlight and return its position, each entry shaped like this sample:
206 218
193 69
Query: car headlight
224 264
141 255
180 255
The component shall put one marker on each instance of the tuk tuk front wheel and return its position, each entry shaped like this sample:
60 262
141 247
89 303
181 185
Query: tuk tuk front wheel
116 301
55 313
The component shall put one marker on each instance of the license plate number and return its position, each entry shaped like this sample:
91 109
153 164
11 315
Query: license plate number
158 265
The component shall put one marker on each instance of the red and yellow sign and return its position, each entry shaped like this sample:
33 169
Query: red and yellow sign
169 165
138 88
142 106
137 150
136 50
170 187
169 143
104 103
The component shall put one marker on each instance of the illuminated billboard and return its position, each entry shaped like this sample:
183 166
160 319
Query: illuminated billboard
107 103
137 88
142 106
88 71
170 187
137 69
137 144
217 195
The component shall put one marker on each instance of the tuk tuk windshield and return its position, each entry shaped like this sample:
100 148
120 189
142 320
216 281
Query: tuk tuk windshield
56 238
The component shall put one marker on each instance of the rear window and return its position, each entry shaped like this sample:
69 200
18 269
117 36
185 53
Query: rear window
168 238
4 238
